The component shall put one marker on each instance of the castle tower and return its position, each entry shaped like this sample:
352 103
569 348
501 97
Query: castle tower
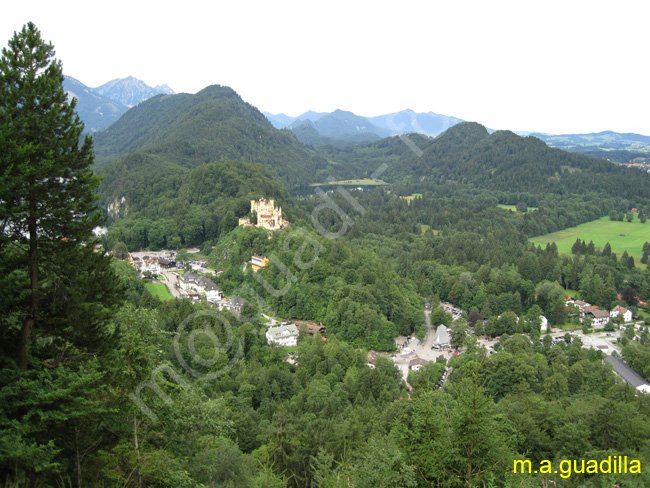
268 216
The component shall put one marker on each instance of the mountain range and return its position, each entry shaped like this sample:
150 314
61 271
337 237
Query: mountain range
318 128
100 107
341 127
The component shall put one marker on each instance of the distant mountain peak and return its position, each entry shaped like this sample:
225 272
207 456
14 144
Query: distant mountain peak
130 91
164 88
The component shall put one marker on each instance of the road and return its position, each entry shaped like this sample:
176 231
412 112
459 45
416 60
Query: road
171 283
420 349
271 321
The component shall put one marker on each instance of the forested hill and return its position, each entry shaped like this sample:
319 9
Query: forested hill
214 124
163 205
467 154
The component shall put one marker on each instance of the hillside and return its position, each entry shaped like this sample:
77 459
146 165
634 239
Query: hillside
341 124
181 206
468 154
214 124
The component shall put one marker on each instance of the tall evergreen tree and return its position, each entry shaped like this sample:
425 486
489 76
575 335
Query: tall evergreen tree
58 293
47 210
607 250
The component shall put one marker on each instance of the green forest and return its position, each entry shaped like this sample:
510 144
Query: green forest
103 383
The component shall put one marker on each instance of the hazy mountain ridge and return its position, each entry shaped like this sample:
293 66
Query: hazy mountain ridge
408 121
604 141
432 124
346 126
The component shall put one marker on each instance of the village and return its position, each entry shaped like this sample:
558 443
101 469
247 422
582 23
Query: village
190 280
414 353
410 353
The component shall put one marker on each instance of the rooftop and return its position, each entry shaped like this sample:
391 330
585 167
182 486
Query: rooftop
627 373
282 331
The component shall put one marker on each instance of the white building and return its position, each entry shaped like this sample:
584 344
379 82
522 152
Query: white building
599 318
194 283
543 323
618 310
284 335
149 264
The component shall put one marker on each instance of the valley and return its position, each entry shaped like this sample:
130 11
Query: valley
406 300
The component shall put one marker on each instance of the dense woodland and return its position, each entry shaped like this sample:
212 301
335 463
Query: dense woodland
101 384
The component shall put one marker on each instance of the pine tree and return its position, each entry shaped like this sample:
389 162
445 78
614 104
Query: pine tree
577 247
607 250
47 206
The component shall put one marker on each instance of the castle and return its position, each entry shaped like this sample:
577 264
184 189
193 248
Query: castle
268 216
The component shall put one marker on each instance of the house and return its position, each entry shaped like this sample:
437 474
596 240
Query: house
213 294
417 363
237 303
311 327
166 263
618 310
195 283
258 262
234 304
581 305
150 265
599 318
284 335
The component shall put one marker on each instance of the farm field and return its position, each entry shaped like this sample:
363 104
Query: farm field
159 290
360 182
411 197
622 236
514 207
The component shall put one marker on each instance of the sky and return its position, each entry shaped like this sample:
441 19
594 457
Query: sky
567 66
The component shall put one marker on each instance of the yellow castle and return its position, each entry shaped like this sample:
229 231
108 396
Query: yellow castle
268 216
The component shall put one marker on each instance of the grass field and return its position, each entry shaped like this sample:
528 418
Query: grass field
411 197
514 207
361 182
622 236
159 290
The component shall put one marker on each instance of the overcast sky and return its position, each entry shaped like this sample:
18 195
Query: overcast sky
553 66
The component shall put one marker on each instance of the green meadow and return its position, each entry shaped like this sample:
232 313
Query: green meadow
411 197
159 290
514 207
359 182
622 236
